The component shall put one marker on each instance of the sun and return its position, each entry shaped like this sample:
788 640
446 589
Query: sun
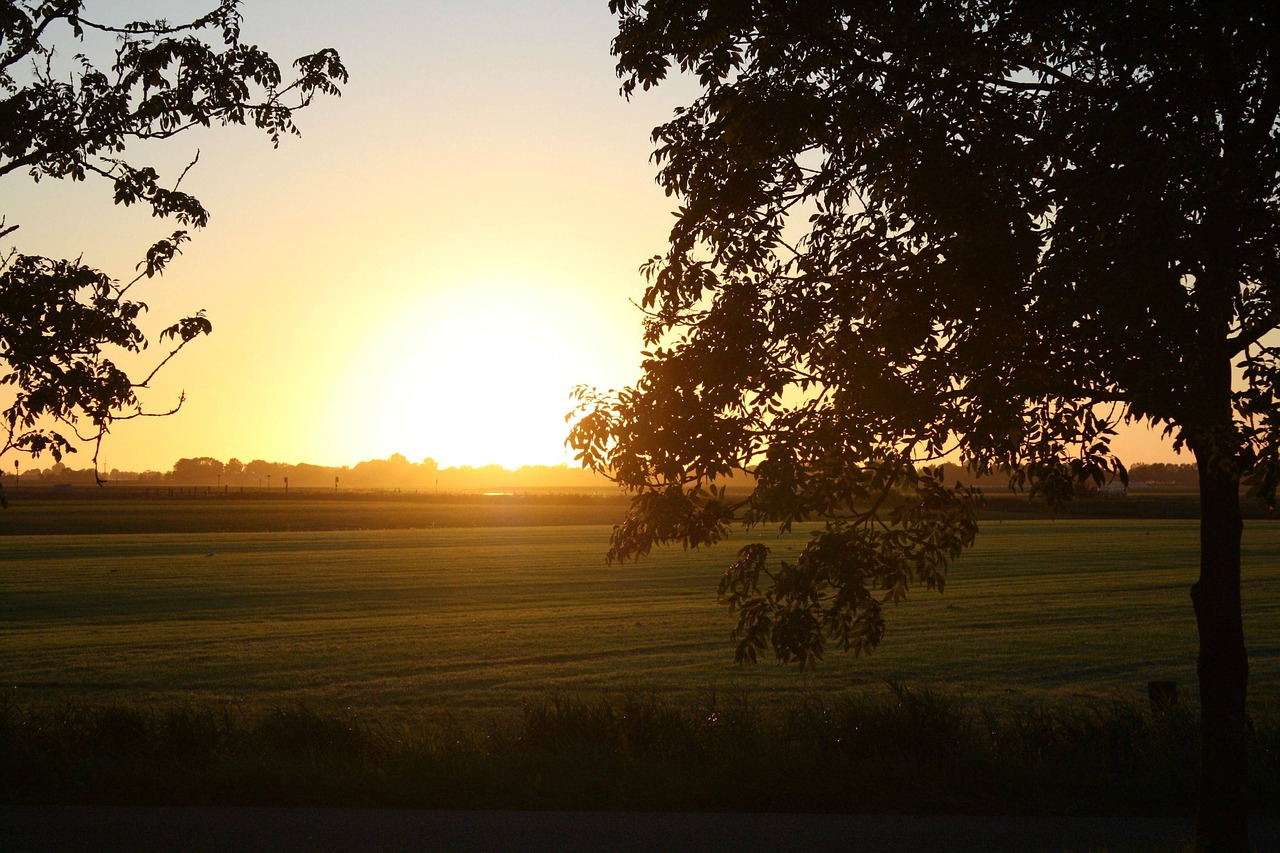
475 374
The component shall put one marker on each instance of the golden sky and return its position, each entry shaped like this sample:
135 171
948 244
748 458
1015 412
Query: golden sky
446 251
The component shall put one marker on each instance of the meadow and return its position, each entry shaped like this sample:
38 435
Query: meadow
199 509
481 618
486 666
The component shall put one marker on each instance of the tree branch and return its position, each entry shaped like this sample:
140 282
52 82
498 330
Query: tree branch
1250 335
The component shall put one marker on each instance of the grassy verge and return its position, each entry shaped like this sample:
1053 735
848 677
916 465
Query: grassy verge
913 751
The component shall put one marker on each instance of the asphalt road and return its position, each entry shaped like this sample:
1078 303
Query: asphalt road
105 829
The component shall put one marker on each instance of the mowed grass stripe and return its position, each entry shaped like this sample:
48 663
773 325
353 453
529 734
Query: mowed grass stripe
93 512
437 621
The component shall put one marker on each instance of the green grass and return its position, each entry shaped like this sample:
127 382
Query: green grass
403 623
509 667
198 509
913 752
120 510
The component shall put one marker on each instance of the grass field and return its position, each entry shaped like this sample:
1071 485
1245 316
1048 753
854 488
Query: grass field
196 510
448 621
253 654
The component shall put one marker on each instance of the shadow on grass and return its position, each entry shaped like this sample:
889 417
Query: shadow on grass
912 751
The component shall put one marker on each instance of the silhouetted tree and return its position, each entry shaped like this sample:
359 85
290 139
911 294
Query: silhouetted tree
64 117
1166 473
259 468
200 470
987 231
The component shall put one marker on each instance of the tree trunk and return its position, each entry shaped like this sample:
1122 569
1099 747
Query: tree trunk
1223 665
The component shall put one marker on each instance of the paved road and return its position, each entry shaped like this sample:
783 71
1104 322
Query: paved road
244 830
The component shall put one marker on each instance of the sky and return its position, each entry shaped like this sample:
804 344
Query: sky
447 250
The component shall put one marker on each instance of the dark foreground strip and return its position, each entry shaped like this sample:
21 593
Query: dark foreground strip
103 829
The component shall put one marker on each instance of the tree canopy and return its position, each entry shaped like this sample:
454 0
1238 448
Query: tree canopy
66 117
970 230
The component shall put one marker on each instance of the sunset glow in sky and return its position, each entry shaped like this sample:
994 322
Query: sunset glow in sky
446 251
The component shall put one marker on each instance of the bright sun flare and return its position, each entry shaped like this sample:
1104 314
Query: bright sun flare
476 376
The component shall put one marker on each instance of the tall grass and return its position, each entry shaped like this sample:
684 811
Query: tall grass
912 751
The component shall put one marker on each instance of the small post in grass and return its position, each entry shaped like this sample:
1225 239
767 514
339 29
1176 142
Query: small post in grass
1163 695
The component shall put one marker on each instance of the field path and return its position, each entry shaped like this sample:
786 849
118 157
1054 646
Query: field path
106 829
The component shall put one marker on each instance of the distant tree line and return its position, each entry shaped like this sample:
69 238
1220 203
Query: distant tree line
394 472
1164 474
1142 475
397 472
